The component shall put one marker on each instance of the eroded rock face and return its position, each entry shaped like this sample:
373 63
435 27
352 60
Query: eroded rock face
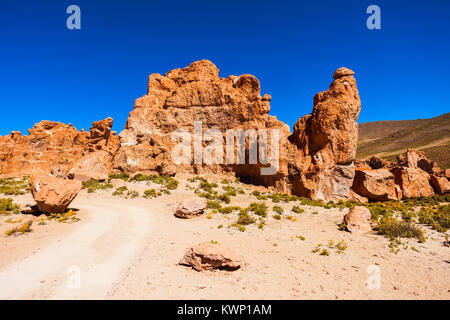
53 195
316 160
413 182
416 159
208 256
190 208
53 147
376 185
324 142
176 101
441 185
358 220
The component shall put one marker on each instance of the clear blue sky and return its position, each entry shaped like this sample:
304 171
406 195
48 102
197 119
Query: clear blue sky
51 73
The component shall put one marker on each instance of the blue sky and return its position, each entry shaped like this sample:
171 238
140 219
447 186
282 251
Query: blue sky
79 76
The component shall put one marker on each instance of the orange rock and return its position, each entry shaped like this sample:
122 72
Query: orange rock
53 195
358 220
376 185
413 182
94 165
208 256
441 185
190 208
53 147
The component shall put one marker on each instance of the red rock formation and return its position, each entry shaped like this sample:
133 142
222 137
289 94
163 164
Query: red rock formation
321 163
413 182
441 185
53 147
376 185
358 220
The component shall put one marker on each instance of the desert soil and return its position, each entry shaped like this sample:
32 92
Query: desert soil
130 249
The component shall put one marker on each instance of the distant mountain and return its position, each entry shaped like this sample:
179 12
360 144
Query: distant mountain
386 139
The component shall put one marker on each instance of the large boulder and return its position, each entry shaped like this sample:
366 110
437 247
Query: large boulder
358 220
413 182
376 185
441 185
51 194
190 208
208 256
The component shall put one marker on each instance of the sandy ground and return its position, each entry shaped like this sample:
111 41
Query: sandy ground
130 249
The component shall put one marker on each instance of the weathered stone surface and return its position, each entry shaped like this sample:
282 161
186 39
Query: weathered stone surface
321 165
352 195
417 159
413 182
358 220
53 147
53 195
447 173
376 185
441 185
208 256
190 208
95 165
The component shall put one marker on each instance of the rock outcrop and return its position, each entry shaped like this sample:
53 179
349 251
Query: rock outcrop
54 147
51 194
441 185
376 185
321 165
208 256
413 182
191 121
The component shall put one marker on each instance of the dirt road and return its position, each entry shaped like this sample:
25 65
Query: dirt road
83 264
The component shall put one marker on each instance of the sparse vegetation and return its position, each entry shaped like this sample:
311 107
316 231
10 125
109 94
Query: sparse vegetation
297 209
7 206
94 185
68 216
166 181
393 228
24 228
14 187
122 176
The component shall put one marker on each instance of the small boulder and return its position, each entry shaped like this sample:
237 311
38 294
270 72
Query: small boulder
358 220
190 208
208 256
53 195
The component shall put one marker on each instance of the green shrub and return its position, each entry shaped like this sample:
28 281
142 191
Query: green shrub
277 209
122 176
150 193
260 209
245 219
297 209
277 216
24 228
394 228
7 206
